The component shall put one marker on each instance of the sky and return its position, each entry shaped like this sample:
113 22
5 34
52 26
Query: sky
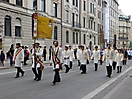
125 6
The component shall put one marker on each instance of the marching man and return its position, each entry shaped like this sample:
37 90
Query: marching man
56 61
119 59
71 56
66 57
37 65
108 55
96 57
18 59
83 59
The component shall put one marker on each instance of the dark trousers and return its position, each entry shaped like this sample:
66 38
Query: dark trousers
45 57
49 56
11 60
83 68
119 69
114 65
78 62
70 64
39 73
109 70
96 66
25 60
56 76
35 73
124 62
19 70
129 57
100 62
67 68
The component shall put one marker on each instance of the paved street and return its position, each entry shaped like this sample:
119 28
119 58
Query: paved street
93 85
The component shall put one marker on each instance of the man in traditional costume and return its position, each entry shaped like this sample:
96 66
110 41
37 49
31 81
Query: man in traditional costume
56 61
71 56
83 59
18 59
66 58
109 60
37 65
96 57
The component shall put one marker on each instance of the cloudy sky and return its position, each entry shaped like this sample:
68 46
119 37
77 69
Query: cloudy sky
125 6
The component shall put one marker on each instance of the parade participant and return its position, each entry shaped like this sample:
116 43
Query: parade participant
71 56
56 60
78 57
18 59
96 57
66 57
108 57
114 55
37 53
83 58
119 59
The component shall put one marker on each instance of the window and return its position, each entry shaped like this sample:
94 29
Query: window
55 9
84 21
91 24
73 37
76 18
67 37
43 5
19 2
94 40
94 26
67 0
84 5
18 27
67 16
73 2
6 0
76 3
98 40
73 17
99 14
34 4
99 2
84 39
76 38
7 26
91 8
55 32
94 11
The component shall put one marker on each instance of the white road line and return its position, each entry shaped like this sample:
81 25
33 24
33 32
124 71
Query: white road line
102 87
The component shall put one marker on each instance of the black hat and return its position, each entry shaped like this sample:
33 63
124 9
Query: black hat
18 44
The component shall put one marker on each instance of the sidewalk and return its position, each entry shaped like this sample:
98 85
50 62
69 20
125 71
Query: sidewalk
123 90
7 64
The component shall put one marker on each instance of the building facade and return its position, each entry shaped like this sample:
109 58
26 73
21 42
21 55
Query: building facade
124 36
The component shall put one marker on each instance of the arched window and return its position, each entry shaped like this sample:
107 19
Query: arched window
55 32
7 25
67 37
18 27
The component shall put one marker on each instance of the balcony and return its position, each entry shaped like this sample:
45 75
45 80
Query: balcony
123 38
76 25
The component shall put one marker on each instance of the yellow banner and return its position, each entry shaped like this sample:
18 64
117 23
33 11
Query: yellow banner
102 42
45 27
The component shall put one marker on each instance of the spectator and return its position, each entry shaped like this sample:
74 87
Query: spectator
2 57
44 53
50 51
11 53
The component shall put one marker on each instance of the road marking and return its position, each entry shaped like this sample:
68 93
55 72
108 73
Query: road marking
102 87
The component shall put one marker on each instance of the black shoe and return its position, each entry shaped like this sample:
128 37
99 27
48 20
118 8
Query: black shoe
54 83
23 73
38 79
82 72
35 78
17 77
